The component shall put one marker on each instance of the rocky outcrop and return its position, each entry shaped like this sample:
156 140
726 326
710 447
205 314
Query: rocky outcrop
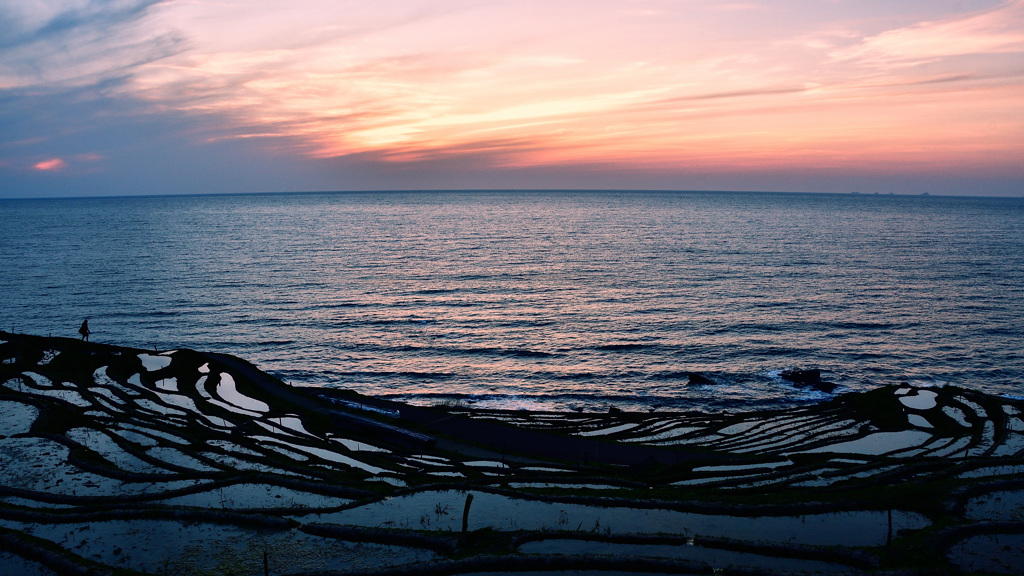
696 378
808 378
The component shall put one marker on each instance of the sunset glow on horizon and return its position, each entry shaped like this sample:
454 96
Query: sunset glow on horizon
345 95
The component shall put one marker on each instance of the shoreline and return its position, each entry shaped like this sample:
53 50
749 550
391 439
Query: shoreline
102 434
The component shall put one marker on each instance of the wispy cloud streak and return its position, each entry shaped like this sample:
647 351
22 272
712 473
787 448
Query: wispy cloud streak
60 44
998 31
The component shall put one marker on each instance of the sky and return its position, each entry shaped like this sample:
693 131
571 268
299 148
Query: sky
129 97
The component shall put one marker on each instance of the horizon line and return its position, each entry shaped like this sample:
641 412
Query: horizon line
507 190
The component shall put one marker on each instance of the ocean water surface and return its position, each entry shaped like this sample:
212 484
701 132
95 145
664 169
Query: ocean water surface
540 300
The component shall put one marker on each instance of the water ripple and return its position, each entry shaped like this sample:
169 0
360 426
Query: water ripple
568 298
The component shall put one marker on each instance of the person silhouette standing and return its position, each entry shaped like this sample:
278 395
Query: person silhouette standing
84 330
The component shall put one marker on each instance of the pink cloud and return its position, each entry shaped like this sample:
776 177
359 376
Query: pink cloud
998 31
51 165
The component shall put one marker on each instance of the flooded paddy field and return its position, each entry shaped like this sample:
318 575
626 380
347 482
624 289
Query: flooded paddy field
184 462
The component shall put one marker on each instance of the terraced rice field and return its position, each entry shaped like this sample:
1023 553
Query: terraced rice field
178 462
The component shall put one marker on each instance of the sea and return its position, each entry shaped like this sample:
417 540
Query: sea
540 300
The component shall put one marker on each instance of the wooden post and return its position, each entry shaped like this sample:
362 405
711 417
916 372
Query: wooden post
888 538
465 513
